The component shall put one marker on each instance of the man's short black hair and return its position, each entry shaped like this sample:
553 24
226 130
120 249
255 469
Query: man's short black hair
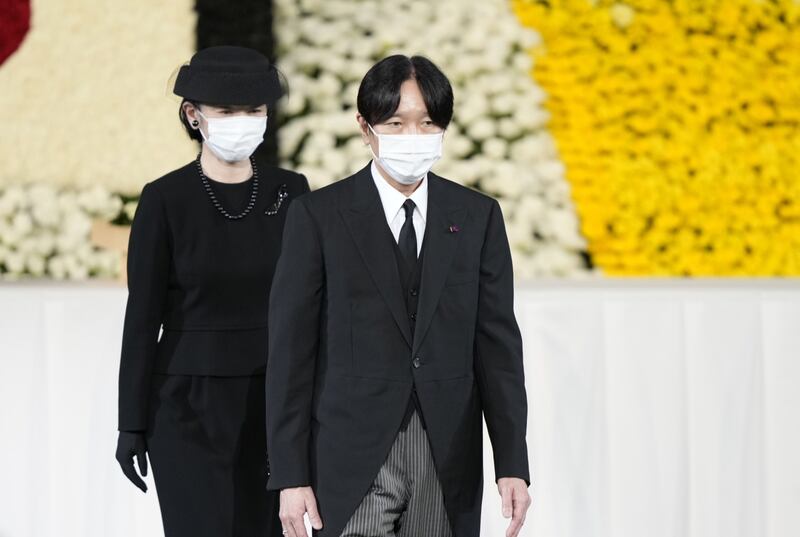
379 92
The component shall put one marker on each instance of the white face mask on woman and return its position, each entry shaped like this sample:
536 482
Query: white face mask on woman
234 138
408 157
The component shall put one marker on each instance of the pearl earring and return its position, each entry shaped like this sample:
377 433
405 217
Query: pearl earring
195 123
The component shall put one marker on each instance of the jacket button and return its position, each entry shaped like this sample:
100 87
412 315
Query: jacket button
414 316
416 362
414 292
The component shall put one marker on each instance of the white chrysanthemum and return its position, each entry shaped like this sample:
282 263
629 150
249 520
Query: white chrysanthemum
622 14
130 209
56 268
22 223
45 212
106 263
495 148
35 265
12 198
15 263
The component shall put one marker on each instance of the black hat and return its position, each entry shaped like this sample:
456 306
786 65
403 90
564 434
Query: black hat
229 75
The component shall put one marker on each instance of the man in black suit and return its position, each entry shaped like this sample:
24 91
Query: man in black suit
391 330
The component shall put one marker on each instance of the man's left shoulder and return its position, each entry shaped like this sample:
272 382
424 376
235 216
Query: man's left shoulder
458 194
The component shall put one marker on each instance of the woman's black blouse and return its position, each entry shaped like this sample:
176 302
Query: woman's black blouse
203 277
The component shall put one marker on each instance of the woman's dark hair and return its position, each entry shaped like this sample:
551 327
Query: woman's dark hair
194 134
379 92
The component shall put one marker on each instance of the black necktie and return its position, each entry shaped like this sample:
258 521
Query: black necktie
408 237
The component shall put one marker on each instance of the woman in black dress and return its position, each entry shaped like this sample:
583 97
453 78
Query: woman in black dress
203 247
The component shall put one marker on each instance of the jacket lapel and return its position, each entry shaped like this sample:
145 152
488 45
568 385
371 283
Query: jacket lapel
439 251
367 225
366 222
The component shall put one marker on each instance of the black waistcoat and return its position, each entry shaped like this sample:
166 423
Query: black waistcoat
410 277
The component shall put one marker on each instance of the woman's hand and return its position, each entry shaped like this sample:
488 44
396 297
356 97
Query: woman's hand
128 445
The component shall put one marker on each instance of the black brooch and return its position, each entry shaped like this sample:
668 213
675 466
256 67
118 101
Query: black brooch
275 207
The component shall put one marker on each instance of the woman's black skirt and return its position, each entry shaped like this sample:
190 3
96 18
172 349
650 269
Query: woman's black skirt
207 448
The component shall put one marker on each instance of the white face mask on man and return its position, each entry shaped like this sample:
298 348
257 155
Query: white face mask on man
408 157
234 138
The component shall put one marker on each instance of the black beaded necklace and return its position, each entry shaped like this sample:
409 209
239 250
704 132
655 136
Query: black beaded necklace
215 201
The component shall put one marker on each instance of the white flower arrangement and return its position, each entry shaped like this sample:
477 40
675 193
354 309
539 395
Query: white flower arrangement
45 232
497 142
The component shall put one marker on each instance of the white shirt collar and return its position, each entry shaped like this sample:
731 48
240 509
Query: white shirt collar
392 199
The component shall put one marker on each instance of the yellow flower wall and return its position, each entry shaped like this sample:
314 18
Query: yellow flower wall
679 124
83 100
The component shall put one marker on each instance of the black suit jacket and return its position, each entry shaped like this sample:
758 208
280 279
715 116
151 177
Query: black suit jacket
342 361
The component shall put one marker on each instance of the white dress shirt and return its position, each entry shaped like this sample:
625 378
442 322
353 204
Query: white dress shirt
392 201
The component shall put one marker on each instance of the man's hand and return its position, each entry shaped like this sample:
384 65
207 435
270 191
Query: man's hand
295 502
514 493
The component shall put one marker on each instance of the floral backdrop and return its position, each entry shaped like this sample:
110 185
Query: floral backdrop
679 124
644 137
45 231
498 141
83 99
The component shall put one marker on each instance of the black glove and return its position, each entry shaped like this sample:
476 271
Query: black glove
128 445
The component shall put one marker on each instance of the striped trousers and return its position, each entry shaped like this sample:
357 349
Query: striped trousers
405 500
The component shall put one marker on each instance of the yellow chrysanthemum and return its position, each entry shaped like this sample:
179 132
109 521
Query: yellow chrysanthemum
679 124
